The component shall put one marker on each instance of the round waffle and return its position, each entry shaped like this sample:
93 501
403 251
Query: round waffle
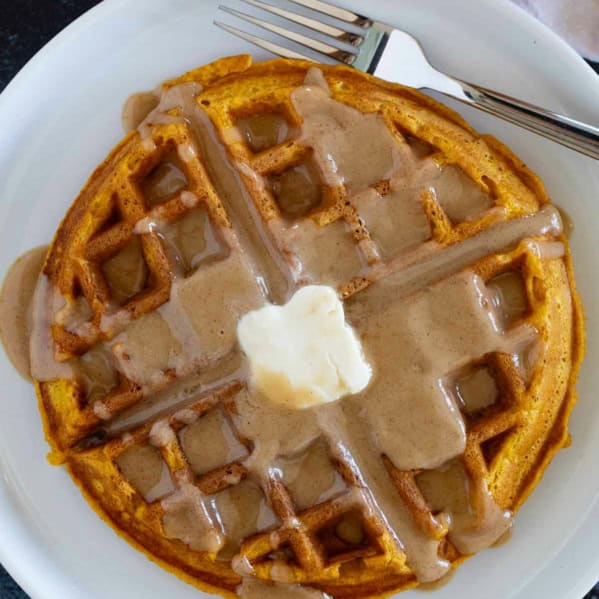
221 199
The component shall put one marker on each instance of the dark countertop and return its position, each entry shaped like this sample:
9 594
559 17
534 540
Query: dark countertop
25 26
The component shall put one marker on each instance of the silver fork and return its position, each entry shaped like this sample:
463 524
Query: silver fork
394 55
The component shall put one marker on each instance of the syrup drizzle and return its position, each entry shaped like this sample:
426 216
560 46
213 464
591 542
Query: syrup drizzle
436 281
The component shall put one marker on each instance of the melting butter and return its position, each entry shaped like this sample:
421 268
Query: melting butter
303 353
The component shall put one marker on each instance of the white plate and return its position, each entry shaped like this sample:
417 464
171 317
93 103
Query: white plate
59 118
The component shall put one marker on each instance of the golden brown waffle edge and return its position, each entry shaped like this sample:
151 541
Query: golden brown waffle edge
233 88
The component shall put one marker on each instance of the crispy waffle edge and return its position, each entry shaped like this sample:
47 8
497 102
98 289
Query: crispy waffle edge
223 71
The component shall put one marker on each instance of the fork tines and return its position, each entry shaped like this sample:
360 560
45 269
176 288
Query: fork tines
341 42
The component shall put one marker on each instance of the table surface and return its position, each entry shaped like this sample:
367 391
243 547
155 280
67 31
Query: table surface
25 26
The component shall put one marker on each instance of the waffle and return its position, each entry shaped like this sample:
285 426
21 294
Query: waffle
167 452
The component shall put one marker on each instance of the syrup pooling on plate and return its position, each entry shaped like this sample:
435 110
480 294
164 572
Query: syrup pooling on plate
136 108
46 303
190 360
15 307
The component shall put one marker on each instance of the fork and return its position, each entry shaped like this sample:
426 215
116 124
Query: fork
392 54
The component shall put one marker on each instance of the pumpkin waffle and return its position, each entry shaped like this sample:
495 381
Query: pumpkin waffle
167 452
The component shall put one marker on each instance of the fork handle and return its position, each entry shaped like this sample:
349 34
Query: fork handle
564 130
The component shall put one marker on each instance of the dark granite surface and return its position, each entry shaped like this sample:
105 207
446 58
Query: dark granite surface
25 26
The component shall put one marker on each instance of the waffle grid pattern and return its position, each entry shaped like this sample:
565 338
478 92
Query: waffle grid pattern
490 432
123 196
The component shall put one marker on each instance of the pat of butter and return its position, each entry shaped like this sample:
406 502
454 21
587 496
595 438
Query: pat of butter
304 353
